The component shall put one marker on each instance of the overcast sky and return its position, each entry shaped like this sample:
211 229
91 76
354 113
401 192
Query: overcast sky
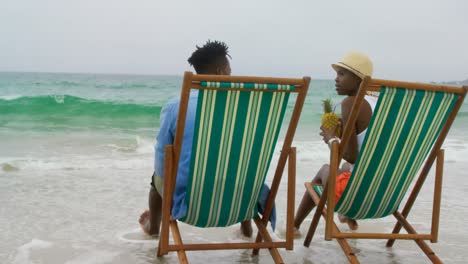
414 40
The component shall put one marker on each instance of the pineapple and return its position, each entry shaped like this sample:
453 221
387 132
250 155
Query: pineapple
330 120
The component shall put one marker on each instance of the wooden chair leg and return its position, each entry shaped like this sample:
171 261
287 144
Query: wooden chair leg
437 196
178 241
312 228
159 252
264 232
421 243
257 240
166 202
414 193
318 212
290 200
347 250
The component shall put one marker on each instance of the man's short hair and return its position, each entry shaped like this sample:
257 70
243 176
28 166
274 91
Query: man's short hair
209 57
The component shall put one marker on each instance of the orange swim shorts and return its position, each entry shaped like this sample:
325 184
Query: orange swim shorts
341 182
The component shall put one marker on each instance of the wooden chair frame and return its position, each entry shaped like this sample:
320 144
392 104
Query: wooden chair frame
288 153
337 149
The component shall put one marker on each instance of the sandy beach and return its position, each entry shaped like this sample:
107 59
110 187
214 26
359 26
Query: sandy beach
90 216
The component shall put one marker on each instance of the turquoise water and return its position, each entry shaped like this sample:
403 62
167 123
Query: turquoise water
76 102
60 103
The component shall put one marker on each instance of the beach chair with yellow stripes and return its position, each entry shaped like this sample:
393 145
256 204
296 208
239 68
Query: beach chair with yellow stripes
237 123
404 137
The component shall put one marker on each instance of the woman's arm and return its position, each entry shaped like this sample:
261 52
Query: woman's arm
351 151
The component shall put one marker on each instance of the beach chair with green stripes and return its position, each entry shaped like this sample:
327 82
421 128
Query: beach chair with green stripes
237 125
404 138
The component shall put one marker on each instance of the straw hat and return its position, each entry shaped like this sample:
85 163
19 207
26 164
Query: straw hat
357 63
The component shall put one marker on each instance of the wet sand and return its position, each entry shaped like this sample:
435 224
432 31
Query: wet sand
90 216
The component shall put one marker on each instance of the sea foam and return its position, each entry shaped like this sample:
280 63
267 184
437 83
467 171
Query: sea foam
10 97
24 252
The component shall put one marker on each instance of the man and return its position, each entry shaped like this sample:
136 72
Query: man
212 59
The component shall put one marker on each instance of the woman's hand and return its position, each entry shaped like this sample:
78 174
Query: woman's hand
327 134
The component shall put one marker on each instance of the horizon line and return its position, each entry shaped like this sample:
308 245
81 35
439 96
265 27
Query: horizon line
459 82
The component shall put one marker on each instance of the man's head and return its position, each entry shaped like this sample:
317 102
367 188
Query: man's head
350 71
212 58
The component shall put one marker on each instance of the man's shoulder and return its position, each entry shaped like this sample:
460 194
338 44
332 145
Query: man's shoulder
174 103
170 106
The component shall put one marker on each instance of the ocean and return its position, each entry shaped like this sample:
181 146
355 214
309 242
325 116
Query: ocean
76 156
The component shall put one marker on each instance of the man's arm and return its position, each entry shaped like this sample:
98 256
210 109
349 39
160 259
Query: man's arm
165 136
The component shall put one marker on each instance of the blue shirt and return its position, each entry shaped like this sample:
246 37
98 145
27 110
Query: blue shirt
168 123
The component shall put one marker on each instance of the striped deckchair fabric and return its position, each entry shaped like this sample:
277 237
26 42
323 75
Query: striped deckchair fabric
259 86
238 120
400 135
236 134
403 139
